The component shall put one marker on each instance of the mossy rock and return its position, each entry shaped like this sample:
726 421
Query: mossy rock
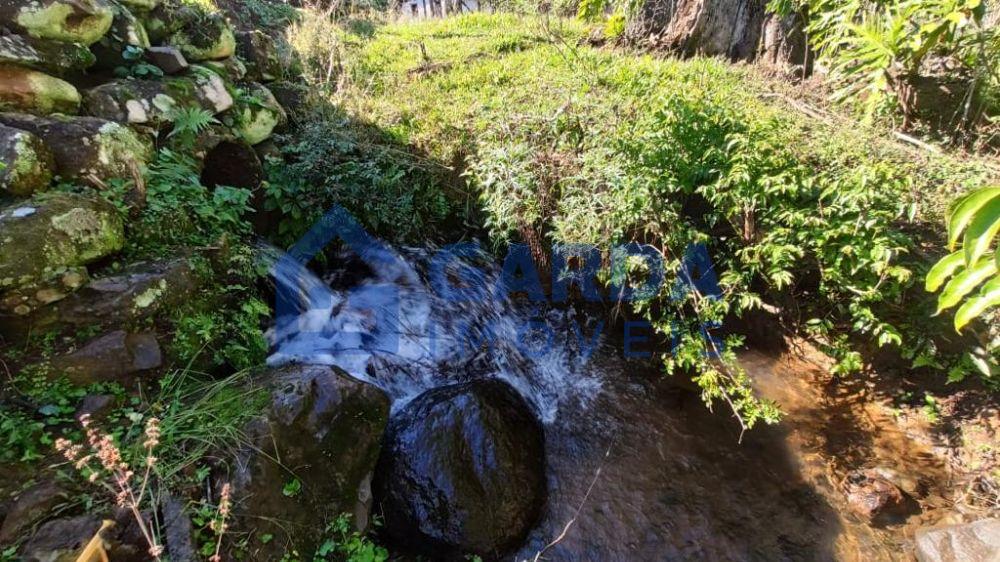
151 101
87 148
126 31
208 37
258 113
27 163
24 89
32 296
50 232
45 54
329 427
261 56
130 299
167 18
231 69
77 21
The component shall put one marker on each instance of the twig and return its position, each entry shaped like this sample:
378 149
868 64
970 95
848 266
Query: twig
916 142
576 514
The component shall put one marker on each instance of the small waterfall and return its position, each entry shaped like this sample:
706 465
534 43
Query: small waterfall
394 330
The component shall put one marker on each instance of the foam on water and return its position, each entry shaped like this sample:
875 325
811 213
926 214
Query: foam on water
392 329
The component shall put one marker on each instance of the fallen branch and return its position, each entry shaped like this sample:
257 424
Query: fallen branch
576 514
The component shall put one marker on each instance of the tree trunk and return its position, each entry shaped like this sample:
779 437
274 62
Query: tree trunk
741 30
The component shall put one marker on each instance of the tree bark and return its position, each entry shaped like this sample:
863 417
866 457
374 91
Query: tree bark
740 30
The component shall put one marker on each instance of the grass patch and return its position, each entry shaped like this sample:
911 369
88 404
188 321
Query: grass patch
833 225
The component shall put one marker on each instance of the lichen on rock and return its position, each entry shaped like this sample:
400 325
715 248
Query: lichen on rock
44 54
26 163
85 148
64 230
151 101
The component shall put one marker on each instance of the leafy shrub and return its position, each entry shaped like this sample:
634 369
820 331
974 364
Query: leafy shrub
975 219
878 49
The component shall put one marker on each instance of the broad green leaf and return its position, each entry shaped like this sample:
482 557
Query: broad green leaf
966 211
942 270
964 283
987 298
981 232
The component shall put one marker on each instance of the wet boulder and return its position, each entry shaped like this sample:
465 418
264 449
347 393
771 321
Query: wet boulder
326 429
126 31
24 89
970 542
50 232
87 148
258 114
44 54
875 499
261 55
462 471
205 37
126 300
111 357
27 163
151 101
75 21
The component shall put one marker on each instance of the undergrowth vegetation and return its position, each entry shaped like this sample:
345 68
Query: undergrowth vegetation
830 228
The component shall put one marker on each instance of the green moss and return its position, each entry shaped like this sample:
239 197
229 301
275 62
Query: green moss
257 124
209 38
149 297
29 172
52 95
118 146
63 21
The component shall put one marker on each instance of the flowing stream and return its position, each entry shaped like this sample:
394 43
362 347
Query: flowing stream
637 467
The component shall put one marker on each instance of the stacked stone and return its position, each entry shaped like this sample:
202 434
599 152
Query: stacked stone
73 108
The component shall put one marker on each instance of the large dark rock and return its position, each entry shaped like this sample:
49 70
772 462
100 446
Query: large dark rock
88 149
462 471
77 21
261 55
971 542
24 89
111 357
326 429
26 162
29 507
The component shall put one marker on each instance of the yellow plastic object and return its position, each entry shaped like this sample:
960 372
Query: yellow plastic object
94 551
